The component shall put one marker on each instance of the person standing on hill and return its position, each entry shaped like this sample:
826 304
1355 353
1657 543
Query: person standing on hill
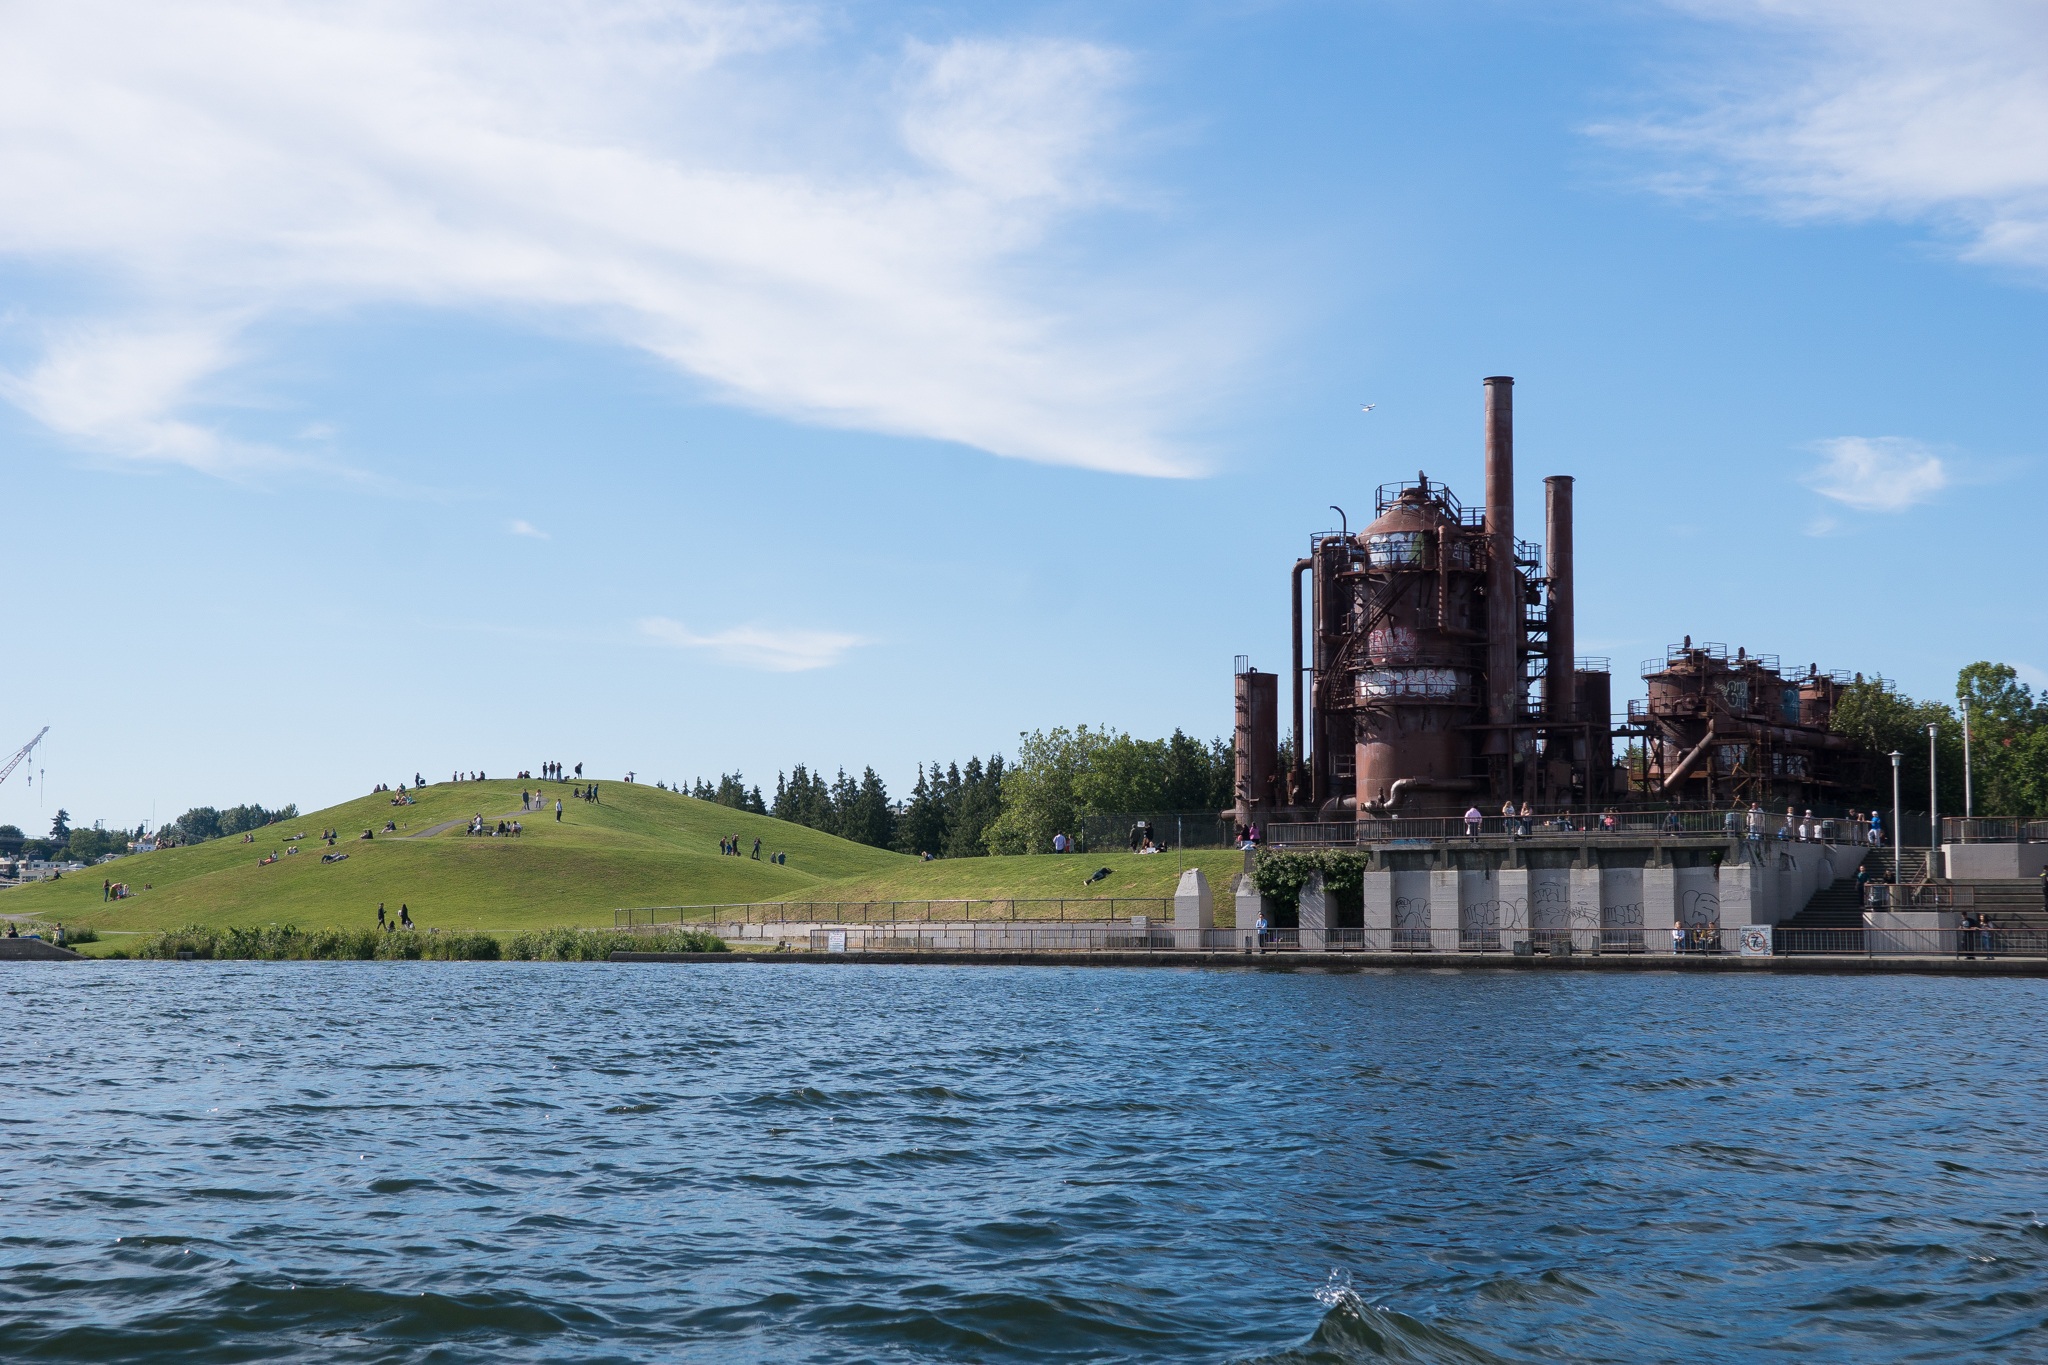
757 848
579 770
558 810
380 914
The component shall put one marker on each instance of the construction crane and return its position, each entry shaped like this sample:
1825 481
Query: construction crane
21 753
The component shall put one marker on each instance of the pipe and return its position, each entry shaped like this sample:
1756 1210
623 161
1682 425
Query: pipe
1301 566
1337 805
1503 610
1685 764
1559 698
1403 785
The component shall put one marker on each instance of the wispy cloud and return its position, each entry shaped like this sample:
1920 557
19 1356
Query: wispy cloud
864 235
1855 109
775 650
1877 473
527 528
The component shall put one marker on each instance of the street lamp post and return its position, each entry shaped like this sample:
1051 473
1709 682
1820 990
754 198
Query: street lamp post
1933 816
1969 796
1896 827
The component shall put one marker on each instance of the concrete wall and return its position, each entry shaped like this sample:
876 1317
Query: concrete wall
1600 906
1990 862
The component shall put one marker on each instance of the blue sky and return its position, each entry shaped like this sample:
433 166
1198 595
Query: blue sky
682 388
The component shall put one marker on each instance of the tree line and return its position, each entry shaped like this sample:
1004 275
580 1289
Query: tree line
1060 779
66 843
2008 740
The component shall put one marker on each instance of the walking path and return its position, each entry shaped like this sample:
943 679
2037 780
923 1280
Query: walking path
446 825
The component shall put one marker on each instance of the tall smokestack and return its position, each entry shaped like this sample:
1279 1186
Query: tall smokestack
1503 607
1559 689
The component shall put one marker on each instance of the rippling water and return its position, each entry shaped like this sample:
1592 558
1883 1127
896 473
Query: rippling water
492 1162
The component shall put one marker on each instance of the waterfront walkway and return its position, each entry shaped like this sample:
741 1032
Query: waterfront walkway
1804 964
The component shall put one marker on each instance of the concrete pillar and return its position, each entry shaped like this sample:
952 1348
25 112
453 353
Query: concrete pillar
1411 910
1512 898
1584 909
1250 909
1379 910
1443 909
1738 892
1550 905
1194 910
1314 918
1660 907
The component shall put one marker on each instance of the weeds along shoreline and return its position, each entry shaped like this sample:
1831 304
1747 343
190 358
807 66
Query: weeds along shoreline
289 943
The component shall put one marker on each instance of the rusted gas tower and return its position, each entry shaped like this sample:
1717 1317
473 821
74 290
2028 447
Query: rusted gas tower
1255 740
1718 728
1430 632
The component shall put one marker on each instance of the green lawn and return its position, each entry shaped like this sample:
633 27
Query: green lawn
639 846
1039 876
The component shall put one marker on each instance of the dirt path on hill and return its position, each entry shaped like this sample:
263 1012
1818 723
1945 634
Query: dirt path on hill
446 825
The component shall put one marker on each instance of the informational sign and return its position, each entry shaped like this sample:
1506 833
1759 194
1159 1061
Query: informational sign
1755 940
835 940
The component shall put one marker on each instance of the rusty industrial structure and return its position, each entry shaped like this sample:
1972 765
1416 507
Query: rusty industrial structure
1717 729
1434 669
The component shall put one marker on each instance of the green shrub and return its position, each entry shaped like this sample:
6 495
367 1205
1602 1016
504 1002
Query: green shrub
82 934
289 943
597 945
1280 874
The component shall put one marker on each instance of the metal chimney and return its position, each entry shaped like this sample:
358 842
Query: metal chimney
1503 604
1559 682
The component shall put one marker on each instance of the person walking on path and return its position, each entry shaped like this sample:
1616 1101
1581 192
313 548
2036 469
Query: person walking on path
404 917
380 914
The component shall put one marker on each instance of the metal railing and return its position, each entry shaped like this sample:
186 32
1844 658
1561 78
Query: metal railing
1992 829
1923 896
1691 824
1965 942
1079 909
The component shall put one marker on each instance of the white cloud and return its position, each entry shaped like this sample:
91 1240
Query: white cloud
526 528
774 650
801 228
1911 110
1877 473
112 389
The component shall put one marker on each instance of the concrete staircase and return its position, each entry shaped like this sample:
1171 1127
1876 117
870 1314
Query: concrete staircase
1885 864
1832 907
2012 904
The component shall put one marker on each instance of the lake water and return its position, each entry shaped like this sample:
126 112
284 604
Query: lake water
510 1162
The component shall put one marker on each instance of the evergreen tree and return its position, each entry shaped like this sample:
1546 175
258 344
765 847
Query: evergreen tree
922 825
866 818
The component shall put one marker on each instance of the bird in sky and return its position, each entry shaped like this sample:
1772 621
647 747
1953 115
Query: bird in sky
1367 407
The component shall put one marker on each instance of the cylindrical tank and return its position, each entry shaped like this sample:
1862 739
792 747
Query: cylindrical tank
1594 699
1418 683
1257 744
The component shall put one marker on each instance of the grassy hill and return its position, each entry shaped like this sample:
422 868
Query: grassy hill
639 846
